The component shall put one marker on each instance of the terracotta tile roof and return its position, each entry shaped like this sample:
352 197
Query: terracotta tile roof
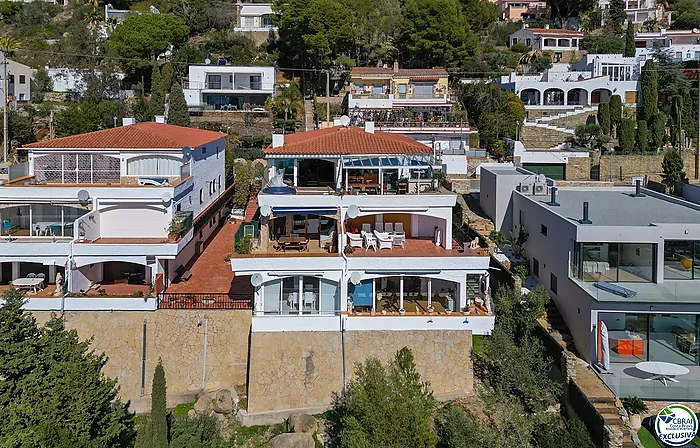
401 73
347 141
556 32
359 71
148 135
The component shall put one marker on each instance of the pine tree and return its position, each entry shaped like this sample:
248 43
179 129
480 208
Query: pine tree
604 117
617 15
177 107
642 136
615 113
629 41
650 92
627 135
658 131
159 412
157 95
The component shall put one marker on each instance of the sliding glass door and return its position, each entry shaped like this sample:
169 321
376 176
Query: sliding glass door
301 295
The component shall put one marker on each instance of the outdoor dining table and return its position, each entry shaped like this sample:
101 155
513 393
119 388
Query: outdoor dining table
662 371
292 242
26 283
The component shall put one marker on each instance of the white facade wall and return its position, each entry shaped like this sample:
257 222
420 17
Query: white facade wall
197 84
18 91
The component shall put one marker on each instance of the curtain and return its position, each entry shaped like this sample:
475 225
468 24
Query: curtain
271 296
154 166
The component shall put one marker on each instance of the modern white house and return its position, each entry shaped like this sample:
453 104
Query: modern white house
114 211
624 258
226 87
19 78
254 17
638 11
592 80
682 45
354 235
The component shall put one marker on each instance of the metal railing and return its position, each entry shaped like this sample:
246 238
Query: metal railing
18 170
193 301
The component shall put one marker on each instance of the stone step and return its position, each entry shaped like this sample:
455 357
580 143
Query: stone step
596 400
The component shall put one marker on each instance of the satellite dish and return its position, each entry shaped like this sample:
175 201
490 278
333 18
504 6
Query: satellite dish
256 280
187 152
541 178
355 278
207 61
265 210
166 197
696 31
83 196
353 211
345 121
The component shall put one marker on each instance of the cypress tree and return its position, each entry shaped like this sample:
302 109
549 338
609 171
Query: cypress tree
159 413
177 106
617 14
590 119
604 117
658 131
157 95
627 135
629 41
615 113
676 119
642 136
166 77
674 176
650 92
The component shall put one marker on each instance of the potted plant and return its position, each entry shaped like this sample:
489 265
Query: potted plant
635 407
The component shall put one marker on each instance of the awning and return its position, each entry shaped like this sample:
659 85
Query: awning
279 211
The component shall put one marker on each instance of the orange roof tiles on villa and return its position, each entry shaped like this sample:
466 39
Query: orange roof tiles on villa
147 135
339 140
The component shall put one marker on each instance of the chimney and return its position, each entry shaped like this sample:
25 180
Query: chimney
396 66
585 219
369 127
277 140
160 118
336 121
638 189
553 200
126 121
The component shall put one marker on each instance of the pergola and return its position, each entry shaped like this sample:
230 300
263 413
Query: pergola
411 163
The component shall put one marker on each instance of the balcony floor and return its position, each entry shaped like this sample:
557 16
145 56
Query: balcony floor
420 247
628 381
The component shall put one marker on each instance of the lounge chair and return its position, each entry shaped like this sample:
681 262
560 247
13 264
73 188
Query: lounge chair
157 181
385 240
355 240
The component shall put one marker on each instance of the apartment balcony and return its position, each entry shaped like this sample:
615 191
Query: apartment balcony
392 100
227 87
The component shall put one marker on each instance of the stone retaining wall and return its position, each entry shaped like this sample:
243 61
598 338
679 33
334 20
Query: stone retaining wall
176 337
290 370
627 166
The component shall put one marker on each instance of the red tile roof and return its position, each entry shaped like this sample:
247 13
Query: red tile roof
401 73
148 135
347 141
556 32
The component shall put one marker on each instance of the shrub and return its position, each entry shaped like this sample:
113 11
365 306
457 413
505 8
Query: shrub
244 245
137 294
635 405
522 270
498 238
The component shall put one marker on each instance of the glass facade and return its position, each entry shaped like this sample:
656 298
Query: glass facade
681 260
40 220
615 262
301 295
635 337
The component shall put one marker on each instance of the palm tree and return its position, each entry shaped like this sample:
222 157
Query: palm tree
9 45
93 18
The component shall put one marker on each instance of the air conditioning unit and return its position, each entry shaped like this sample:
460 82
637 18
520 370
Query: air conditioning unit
539 189
525 188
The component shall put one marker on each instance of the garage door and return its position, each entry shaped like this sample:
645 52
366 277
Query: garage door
553 171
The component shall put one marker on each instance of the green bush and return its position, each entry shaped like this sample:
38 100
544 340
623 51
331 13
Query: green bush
498 238
456 428
245 245
522 270
635 405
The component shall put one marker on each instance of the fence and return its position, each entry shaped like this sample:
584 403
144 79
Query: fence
193 301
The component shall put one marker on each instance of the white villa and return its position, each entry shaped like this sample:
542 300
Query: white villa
354 233
225 87
594 79
683 45
254 17
116 211
638 11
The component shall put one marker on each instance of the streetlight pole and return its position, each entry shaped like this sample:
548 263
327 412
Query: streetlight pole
5 86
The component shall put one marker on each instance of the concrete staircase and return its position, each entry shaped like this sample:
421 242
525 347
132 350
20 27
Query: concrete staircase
309 124
544 136
569 113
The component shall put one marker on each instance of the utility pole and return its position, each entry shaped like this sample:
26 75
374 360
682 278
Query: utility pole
328 97
697 153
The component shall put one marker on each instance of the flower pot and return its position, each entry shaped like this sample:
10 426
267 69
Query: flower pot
448 312
635 421
402 311
431 310
383 312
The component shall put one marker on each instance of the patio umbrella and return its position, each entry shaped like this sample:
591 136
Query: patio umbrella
604 345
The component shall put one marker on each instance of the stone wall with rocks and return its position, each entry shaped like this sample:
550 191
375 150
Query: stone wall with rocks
627 166
175 336
578 168
298 370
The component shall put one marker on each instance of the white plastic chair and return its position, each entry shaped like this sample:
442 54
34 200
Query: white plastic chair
474 244
385 240
388 227
370 241
399 239
366 227
309 300
31 275
41 275
355 240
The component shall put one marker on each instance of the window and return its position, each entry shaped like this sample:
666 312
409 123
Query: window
255 82
204 149
616 262
515 41
178 207
21 96
553 282
22 79
214 81
201 196
536 266
543 229
11 78
153 166
681 260
528 41
217 152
